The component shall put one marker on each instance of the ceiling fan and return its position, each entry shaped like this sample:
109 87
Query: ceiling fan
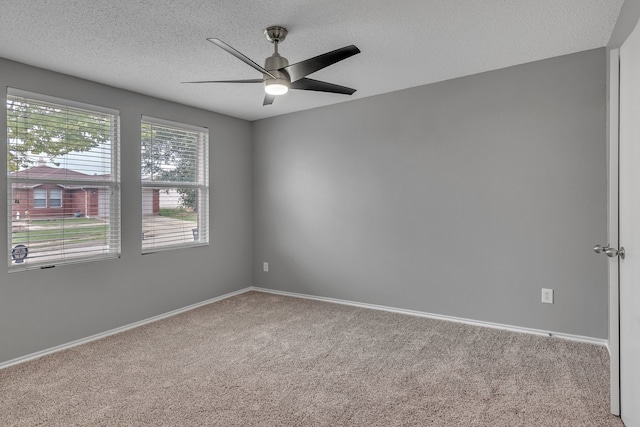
278 76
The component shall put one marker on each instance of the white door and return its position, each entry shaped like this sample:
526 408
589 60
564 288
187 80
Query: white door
630 229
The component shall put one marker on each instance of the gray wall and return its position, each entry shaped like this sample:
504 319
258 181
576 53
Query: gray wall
462 198
44 308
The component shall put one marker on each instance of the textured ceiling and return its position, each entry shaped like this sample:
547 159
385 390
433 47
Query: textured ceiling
150 46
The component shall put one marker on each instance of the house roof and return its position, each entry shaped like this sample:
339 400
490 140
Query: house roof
44 173
47 172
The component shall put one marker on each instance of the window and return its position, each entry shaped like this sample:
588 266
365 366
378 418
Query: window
39 198
63 169
175 185
55 198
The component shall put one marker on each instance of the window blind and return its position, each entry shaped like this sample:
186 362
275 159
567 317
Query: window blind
63 181
175 185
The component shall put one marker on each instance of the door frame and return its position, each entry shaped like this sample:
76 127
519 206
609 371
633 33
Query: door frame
613 145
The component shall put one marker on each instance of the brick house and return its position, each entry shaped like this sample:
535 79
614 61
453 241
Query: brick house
56 200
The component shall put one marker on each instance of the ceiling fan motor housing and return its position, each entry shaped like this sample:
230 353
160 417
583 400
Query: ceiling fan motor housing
273 64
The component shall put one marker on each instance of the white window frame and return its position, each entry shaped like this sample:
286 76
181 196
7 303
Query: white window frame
202 183
113 184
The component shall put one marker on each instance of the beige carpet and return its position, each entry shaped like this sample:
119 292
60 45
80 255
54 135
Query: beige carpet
265 360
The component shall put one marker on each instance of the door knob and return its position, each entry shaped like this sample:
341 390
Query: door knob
613 252
600 248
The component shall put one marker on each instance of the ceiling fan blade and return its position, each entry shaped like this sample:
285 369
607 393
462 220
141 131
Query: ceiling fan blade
229 81
239 55
311 84
304 68
268 99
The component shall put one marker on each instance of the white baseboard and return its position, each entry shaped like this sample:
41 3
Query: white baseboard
117 330
81 341
570 337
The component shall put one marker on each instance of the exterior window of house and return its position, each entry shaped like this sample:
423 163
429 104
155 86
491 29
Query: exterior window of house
39 198
63 166
55 198
175 185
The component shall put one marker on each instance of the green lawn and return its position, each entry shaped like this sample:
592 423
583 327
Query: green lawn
67 222
76 230
179 213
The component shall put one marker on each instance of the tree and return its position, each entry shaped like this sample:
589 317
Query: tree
170 155
188 198
40 129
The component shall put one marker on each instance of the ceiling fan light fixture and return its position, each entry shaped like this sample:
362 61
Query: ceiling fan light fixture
276 86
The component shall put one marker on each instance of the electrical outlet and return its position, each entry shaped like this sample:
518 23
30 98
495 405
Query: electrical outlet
547 296
265 267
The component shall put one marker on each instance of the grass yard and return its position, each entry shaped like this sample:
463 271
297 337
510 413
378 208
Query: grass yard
77 230
179 213
66 221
